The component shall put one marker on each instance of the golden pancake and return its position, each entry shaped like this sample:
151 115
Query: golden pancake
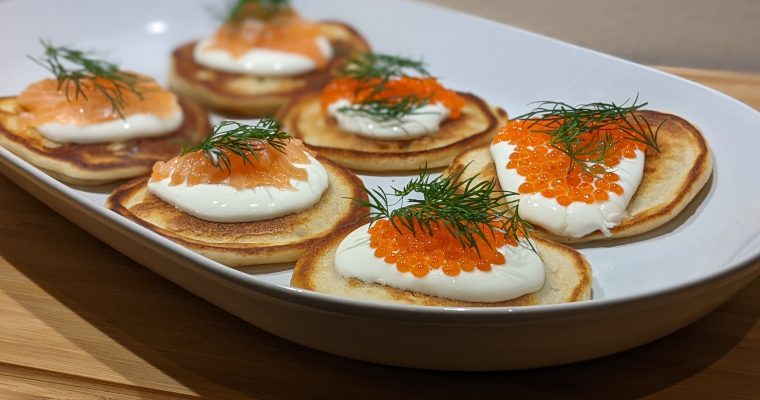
276 240
478 124
568 279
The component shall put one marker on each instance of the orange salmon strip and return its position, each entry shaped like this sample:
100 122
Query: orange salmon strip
269 167
44 102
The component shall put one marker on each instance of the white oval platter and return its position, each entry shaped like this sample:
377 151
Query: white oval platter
644 288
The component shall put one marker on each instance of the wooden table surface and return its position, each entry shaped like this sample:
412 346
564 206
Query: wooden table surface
79 320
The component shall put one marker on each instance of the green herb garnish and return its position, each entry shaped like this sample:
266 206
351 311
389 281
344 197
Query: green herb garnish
364 66
569 127
465 207
239 10
230 137
374 71
387 108
76 70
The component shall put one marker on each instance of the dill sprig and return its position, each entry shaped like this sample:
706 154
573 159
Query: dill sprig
89 73
374 70
387 108
367 65
245 141
238 10
467 208
569 127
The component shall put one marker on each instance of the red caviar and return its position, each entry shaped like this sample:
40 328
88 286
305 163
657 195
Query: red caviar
286 32
419 254
270 167
357 91
546 169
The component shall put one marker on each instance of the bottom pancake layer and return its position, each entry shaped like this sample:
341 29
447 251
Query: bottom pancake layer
272 241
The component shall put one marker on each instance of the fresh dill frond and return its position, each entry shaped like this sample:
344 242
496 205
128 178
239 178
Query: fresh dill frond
387 108
245 141
570 127
367 65
238 10
76 70
467 208
374 70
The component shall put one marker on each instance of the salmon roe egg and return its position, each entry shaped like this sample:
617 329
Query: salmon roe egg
357 91
547 170
424 251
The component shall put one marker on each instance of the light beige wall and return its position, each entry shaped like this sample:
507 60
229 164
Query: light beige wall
721 34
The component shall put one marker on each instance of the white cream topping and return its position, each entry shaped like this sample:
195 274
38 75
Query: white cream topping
424 121
577 219
133 126
224 203
522 273
259 61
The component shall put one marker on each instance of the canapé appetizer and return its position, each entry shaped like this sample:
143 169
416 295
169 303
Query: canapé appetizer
452 242
386 113
597 170
262 54
248 194
93 123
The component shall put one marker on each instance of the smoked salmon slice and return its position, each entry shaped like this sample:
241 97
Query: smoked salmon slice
286 32
266 166
47 101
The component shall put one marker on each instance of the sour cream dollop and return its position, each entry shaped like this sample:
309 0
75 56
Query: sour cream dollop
259 61
423 121
135 126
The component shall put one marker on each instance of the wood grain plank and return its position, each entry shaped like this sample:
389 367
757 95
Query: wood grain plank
17 382
80 321
740 85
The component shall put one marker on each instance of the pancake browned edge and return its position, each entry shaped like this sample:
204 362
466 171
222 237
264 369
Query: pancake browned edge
94 164
672 177
477 125
271 241
568 279
243 95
